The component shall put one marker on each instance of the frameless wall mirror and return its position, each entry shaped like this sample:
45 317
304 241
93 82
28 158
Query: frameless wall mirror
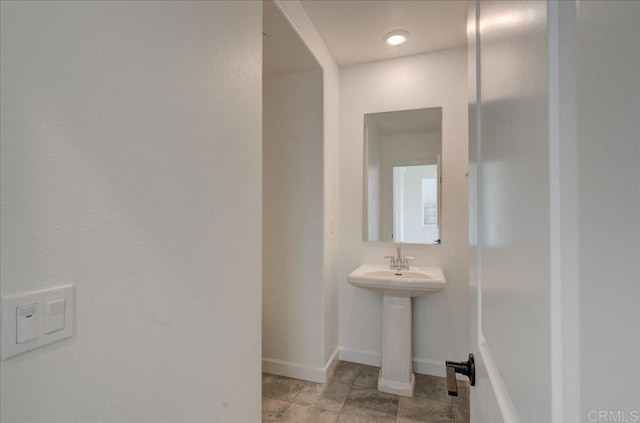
402 183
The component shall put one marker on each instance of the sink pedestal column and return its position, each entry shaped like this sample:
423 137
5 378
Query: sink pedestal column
396 375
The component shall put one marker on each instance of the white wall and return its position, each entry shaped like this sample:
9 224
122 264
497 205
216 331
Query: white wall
607 152
131 167
309 34
414 196
292 221
396 148
373 183
440 320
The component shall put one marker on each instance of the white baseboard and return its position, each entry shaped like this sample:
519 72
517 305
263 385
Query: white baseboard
332 363
427 366
423 366
300 371
370 358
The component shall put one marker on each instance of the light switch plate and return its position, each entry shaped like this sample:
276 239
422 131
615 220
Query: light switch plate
10 346
27 323
54 319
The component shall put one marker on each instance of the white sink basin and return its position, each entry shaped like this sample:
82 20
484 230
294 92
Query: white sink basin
416 282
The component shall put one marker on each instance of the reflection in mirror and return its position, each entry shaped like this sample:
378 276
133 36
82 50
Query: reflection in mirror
402 183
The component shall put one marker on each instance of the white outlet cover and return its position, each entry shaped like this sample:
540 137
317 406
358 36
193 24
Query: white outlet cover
9 346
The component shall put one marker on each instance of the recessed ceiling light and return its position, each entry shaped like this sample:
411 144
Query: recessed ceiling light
397 37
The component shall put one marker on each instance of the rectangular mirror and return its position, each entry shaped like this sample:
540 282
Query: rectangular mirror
402 182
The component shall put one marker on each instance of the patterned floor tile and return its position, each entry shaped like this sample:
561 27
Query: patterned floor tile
367 376
279 387
273 410
423 410
432 387
345 372
461 412
349 418
365 402
351 396
327 396
302 414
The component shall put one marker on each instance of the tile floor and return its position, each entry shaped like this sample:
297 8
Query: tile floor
351 396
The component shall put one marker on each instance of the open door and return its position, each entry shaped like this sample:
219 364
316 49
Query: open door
554 210
509 211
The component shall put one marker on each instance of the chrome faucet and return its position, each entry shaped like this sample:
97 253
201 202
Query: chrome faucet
398 262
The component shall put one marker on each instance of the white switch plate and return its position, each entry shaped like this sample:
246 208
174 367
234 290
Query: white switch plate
27 323
54 319
9 345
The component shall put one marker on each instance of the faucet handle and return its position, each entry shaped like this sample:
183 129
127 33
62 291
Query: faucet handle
410 258
405 262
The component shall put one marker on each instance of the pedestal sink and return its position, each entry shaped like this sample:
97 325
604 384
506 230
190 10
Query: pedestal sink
397 287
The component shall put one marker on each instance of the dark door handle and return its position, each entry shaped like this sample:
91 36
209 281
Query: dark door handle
467 368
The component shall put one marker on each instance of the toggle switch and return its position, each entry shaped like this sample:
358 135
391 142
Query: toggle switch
27 327
54 316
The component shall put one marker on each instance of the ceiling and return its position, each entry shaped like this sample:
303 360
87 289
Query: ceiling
354 29
406 121
283 49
